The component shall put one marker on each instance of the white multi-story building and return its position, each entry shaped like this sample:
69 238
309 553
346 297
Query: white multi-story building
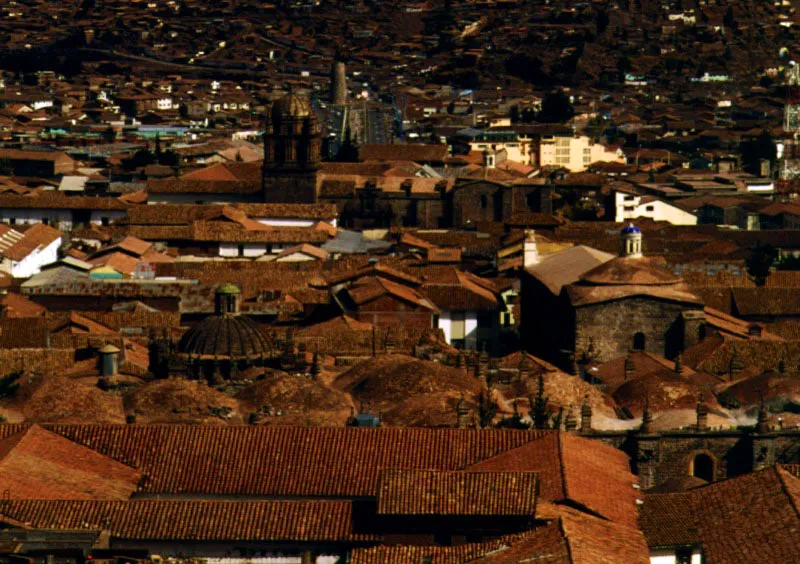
576 153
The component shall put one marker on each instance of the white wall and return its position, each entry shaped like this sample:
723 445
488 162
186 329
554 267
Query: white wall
254 249
471 330
228 250
195 198
575 153
667 556
630 206
278 222
444 325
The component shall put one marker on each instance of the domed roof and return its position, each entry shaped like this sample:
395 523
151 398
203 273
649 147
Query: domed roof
624 271
228 289
630 229
292 105
226 336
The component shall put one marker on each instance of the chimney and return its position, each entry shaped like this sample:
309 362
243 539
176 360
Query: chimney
530 251
109 361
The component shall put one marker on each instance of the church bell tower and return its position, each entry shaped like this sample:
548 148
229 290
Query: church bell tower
292 140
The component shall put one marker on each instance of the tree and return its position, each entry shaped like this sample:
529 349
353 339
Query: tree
539 412
556 108
759 263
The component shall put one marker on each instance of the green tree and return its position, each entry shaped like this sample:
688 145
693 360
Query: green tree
759 263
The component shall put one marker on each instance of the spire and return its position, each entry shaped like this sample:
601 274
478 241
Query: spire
586 415
628 368
702 414
763 417
570 421
647 418
735 365
679 363
462 413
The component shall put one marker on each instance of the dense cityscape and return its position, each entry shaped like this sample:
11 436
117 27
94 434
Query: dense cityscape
425 282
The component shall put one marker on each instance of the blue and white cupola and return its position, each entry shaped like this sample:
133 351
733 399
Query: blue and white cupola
630 242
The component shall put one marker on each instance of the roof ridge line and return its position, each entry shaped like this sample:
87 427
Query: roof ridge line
780 473
561 464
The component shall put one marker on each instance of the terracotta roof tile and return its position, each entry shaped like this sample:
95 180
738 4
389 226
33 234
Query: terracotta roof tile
436 492
319 520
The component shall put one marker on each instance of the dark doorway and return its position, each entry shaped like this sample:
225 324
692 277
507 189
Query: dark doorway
638 341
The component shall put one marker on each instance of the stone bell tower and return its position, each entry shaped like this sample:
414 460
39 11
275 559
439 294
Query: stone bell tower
292 140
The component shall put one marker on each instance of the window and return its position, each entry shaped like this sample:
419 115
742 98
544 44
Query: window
628 208
628 198
484 202
702 466
104 221
638 341
240 249
649 208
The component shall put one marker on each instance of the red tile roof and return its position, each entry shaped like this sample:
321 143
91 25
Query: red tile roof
38 464
318 520
750 518
436 492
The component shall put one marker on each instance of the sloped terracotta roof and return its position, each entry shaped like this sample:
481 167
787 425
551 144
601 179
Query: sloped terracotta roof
557 270
254 460
318 520
38 464
575 469
750 518
403 152
436 492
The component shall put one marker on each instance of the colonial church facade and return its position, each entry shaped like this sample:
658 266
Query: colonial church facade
582 299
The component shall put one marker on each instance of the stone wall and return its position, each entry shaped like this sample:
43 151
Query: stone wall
611 326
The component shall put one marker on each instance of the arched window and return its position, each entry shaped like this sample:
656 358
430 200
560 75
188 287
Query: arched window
702 466
638 341
484 202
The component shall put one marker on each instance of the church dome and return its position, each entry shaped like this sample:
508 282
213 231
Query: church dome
226 335
292 106
630 229
619 271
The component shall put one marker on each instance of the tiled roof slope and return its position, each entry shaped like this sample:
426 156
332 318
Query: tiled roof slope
319 520
575 469
433 492
38 464
286 461
573 538
751 518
